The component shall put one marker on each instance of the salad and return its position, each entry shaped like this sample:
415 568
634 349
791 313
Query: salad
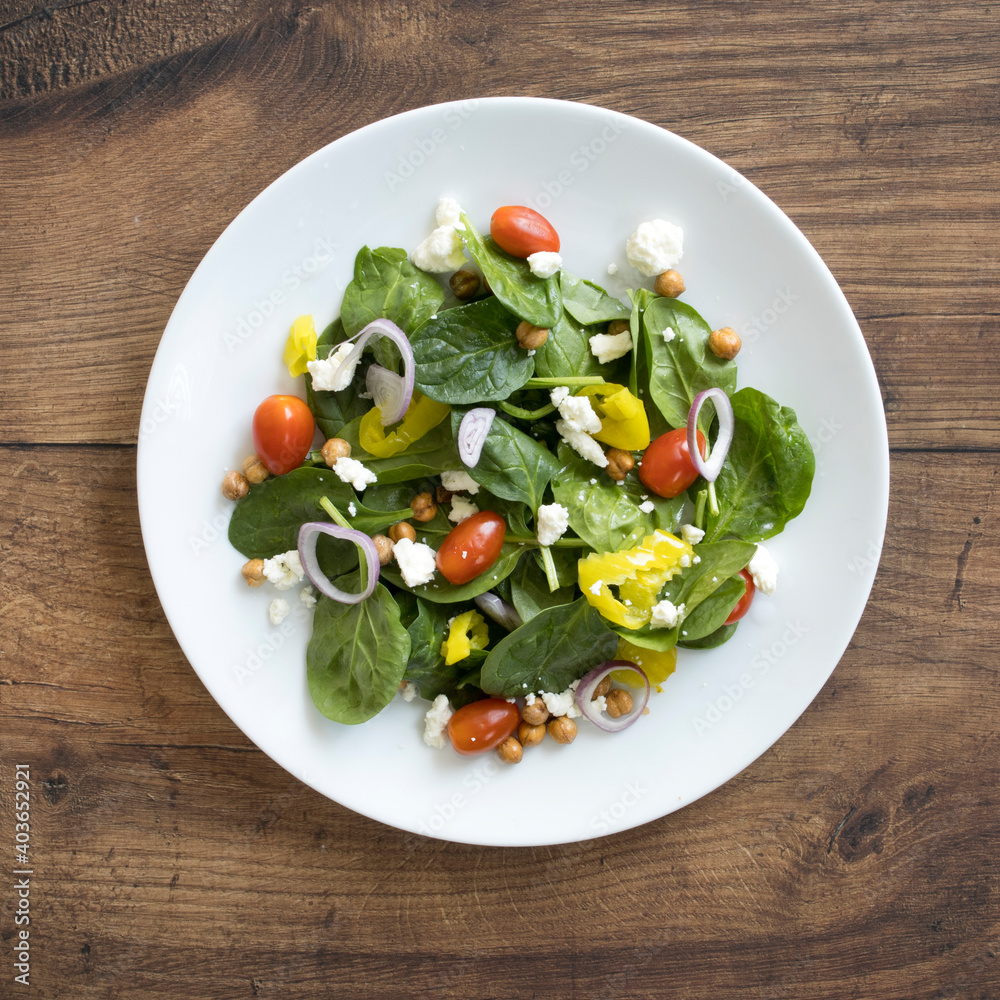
529 494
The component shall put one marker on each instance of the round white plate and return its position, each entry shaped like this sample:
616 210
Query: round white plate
596 175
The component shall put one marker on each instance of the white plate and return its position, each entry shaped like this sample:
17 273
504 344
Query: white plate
595 174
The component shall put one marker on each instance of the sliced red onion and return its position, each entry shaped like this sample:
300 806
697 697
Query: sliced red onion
387 390
711 468
386 328
472 433
499 610
308 537
588 685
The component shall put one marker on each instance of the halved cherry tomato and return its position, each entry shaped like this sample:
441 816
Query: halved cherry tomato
743 604
283 429
482 725
522 231
666 468
472 547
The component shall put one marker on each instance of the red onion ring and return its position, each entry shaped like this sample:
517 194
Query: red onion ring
585 692
499 610
387 390
386 328
308 537
472 433
711 468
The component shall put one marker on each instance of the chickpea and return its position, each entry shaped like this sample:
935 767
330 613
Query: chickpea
669 284
602 689
619 703
402 530
510 751
617 326
383 546
464 284
529 735
562 730
531 337
254 469
620 463
536 713
725 343
335 448
235 486
423 506
253 572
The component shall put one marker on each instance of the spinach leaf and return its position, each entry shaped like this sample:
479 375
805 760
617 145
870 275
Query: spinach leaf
356 657
469 354
711 613
426 456
566 351
427 668
684 366
641 297
536 300
588 303
549 652
717 638
606 516
767 476
512 464
529 590
334 409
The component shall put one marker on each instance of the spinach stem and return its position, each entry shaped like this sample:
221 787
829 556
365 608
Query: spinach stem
713 500
560 543
699 509
549 383
335 514
517 411
550 569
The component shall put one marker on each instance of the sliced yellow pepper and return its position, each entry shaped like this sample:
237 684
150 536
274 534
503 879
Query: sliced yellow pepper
300 348
468 632
657 665
638 573
422 415
623 417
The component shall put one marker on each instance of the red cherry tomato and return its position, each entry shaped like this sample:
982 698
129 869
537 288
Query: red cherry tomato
522 231
666 468
472 547
482 725
283 429
743 604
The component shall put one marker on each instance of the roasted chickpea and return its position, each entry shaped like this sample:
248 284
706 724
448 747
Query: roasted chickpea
531 337
402 530
235 486
423 506
619 703
602 689
464 284
617 326
562 729
529 735
254 469
335 448
253 572
510 751
725 343
536 713
443 495
383 546
620 463
669 284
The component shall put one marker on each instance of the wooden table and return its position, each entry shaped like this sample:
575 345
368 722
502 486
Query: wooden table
170 858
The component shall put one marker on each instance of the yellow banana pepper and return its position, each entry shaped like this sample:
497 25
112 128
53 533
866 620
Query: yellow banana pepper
468 632
623 417
656 665
300 347
422 415
638 573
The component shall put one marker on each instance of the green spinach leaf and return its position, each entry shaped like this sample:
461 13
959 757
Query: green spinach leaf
427 668
529 590
588 303
566 351
717 638
334 409
426 456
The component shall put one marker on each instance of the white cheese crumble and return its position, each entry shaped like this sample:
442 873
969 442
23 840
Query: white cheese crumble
461 510
442 251
583 444
352 510
576 411
691 534
612 268
655 247
459 481
561 704
278 610
609 347
647 506
415 560
449 213
331 374
595 587
436 722
350 470
764 571
600 703
544 263
668 334
284 570
308 597
553 520
665 615
408 691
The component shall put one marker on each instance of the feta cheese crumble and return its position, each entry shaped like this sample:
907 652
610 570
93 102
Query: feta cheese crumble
284 570
449 213
544 263
665 615
331 374
436 722
308 597
415 560
647 506
595 587
408 691
350 470
655 247
440 252
352 509
583 444
278 610
578 421
668 334
461 510
553 520
459 481
612 268
691 534
561 704
609 347
764 571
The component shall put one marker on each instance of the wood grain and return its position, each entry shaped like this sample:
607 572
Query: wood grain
856 858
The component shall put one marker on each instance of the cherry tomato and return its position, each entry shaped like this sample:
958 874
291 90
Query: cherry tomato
482 725
283 429
522 231
666 468
472 547
743 604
